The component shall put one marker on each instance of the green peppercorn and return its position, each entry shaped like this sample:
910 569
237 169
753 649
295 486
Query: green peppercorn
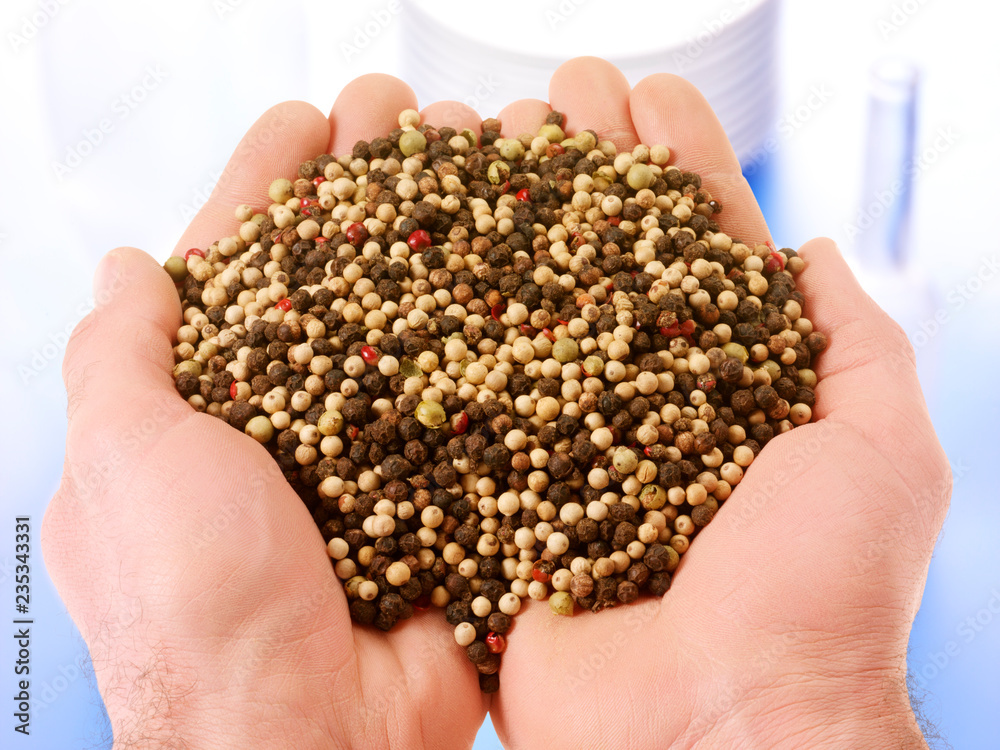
561 603
565 350
640 177
552 132
260 429
653 497
331 423
412 142
189 366
498 172
593 366
737 351
177 268
409 369
430 414
511 149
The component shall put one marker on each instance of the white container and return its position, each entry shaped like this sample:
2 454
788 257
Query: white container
727 48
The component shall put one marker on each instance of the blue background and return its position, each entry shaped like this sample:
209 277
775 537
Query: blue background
69 73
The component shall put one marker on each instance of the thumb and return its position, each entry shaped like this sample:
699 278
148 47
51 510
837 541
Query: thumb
119 360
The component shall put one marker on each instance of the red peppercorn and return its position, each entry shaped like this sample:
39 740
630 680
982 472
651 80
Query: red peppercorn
506 188
527 330
232 389
321 238
687 327
419 240
524 195
369 355
285 304
495 643
774 263
193 251
548 334
319 180
352 431
497 310
459 423
357 234
422 602
615 221
540 575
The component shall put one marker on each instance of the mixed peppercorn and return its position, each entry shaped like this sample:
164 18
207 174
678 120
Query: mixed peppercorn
496 368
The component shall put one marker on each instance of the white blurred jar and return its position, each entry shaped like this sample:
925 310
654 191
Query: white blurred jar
727 48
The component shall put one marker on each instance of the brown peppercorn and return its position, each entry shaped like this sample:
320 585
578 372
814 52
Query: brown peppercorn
659 583
476 651
628 592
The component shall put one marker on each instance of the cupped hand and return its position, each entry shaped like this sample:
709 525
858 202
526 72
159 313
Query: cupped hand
788 619
195 574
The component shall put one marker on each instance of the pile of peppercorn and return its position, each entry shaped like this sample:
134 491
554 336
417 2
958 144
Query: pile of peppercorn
496 368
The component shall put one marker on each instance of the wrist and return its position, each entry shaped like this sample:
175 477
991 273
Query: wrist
163 706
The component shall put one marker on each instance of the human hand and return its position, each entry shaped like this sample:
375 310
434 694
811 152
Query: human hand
788 620
195 574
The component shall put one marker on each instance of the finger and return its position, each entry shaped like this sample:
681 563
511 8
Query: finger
368 107
668 110
523 116
594 95
453 115
284 137
118 363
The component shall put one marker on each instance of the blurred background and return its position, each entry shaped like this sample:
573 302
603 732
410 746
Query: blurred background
870 121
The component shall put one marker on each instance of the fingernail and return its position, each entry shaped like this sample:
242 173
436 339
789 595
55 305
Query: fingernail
106 278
